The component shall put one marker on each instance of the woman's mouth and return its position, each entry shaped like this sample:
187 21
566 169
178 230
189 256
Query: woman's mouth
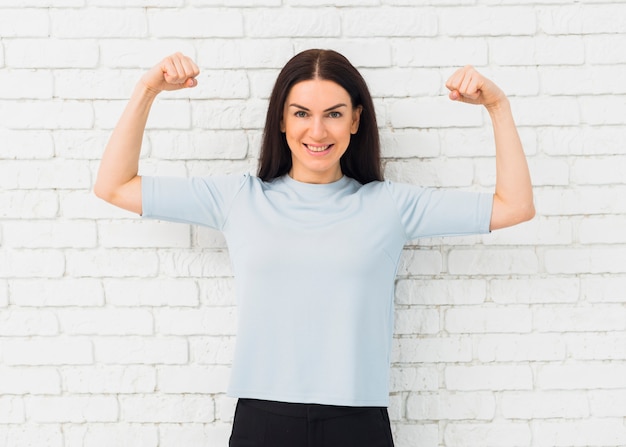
318 147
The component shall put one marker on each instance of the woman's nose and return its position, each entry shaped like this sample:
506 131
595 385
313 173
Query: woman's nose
318 129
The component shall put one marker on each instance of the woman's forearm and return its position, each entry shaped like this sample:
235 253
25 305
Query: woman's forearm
513 198
120 161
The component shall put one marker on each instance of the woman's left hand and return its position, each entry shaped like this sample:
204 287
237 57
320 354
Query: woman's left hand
469 86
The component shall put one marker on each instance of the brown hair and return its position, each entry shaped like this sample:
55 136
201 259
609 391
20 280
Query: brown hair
361 161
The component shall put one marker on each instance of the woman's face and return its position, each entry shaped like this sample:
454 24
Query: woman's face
318 120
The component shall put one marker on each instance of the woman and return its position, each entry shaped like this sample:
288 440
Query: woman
315 239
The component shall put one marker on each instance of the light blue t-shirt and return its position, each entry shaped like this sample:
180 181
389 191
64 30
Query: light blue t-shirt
315 267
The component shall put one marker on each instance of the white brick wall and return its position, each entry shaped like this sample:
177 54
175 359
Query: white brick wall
116 332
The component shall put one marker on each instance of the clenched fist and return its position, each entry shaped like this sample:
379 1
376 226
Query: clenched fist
468 85
172 73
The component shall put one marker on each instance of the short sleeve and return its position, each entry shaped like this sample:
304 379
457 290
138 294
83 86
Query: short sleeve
432 212
198 200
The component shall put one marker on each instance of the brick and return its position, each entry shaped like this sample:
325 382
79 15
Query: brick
431 172
40 84
41 115
142 53
555 111
109 379
417 320
47 351
488 434
414 379
590 260
534 291
20 381
46 292
582 19
208 238
24 22
607 317
440 52
81 144
195 263
203 321
31 264
603 110
538 231
193 379
409 143
152 292
210 434
466 320
212 350
405 434
25 144
165 114
370 52
583 200
140 350
118 263
389 22
492 377
296 22
492 261
441 292
27 322
420 262
451 406
604 49
487 21
98 22
169 409
143 234
598 171
94 84
50 234
607 403
578 433
4 293
195 22
102 435
597 346
581 376
432 350
106 321
578 141
583 80
76 409
544 405
433 112
244 53
11 410
520 347
603 289
29 434
49 174
51 53
537 50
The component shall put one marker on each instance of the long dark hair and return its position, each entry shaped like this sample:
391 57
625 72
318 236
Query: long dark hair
361 161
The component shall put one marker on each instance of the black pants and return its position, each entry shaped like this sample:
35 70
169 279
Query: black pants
260 423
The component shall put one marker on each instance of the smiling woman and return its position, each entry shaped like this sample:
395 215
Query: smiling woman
318 135
315 240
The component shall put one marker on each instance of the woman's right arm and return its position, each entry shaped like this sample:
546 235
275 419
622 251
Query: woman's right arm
117 181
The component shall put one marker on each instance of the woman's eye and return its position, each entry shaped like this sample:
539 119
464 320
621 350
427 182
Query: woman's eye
334 114
300 114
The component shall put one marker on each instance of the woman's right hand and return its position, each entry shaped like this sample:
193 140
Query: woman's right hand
175 72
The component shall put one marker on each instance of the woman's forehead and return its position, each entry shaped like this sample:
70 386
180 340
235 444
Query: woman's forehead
317 92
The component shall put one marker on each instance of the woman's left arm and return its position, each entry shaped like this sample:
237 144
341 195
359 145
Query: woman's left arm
513 198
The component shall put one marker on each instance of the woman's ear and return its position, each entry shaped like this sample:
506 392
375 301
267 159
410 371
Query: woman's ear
356 119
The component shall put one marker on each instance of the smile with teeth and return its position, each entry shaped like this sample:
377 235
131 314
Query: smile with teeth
318 148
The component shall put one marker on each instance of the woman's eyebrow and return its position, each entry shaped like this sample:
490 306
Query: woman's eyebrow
327 110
